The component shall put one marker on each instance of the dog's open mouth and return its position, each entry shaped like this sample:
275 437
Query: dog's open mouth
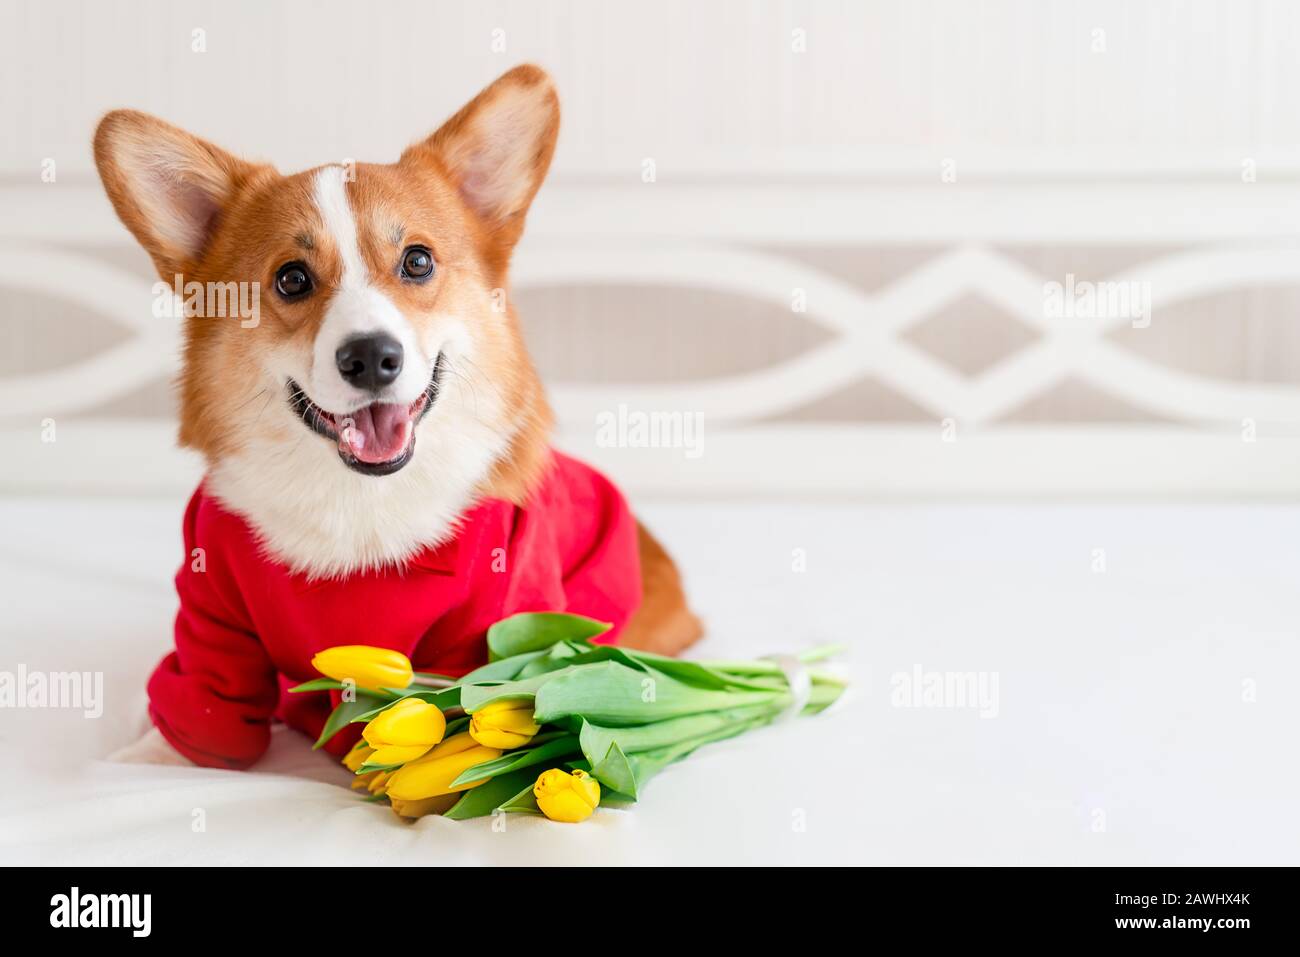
377 439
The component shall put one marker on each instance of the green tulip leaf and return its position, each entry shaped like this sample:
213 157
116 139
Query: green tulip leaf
694 673
646 764
506 669
473 697
513 760
537 631
596 739
345 713
614 694
597 653
559 655
455 726
488 796
525 802
547 734
444 699
317 684
433 674
614 771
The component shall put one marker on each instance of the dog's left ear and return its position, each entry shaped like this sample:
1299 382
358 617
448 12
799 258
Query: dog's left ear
169 187
497 149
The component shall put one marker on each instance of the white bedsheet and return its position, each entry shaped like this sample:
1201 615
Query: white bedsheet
1146 714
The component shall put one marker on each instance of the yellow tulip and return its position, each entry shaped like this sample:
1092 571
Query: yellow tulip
566 797
373 781
369 667
505 724
379 785
438 804
357 757
404 732
432 774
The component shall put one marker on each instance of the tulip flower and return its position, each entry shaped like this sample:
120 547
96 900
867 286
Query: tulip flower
372 668
566 797
551 698
404 732
357 757
506 723
438 804
379 786
376 782
432 774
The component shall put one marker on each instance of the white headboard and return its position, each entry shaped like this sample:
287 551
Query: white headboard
930 423
838 268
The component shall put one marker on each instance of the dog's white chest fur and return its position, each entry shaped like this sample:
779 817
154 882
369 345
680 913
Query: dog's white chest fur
324 520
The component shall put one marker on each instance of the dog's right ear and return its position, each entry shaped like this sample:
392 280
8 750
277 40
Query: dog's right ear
496 151
168 187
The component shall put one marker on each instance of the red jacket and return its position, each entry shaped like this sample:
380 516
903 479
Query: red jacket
248 627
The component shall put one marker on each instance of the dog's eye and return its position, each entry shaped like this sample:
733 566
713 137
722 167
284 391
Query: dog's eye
292 281
417 263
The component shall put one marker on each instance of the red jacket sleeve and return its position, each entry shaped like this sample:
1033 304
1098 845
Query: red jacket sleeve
213 697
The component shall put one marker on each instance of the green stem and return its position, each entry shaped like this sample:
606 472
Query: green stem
821 652
761 666
425 680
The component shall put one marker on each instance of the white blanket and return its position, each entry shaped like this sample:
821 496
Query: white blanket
1145 707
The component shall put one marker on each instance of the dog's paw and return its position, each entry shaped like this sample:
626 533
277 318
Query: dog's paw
151 749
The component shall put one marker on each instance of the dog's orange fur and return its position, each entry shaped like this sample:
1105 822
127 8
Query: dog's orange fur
664 623
261 219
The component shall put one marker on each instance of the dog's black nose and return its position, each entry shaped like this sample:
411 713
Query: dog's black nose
370 362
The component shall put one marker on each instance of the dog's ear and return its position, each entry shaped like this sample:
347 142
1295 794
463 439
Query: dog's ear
168 187
497 149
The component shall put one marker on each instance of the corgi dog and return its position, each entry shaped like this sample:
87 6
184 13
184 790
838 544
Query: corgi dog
378 468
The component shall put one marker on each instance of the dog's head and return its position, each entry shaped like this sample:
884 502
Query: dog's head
380 335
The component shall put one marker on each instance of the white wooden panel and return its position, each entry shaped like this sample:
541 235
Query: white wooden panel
1166 124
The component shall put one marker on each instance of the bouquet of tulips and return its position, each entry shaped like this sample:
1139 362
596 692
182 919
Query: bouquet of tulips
553 724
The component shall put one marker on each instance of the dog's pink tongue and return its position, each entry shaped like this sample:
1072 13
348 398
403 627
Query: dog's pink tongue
377 433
